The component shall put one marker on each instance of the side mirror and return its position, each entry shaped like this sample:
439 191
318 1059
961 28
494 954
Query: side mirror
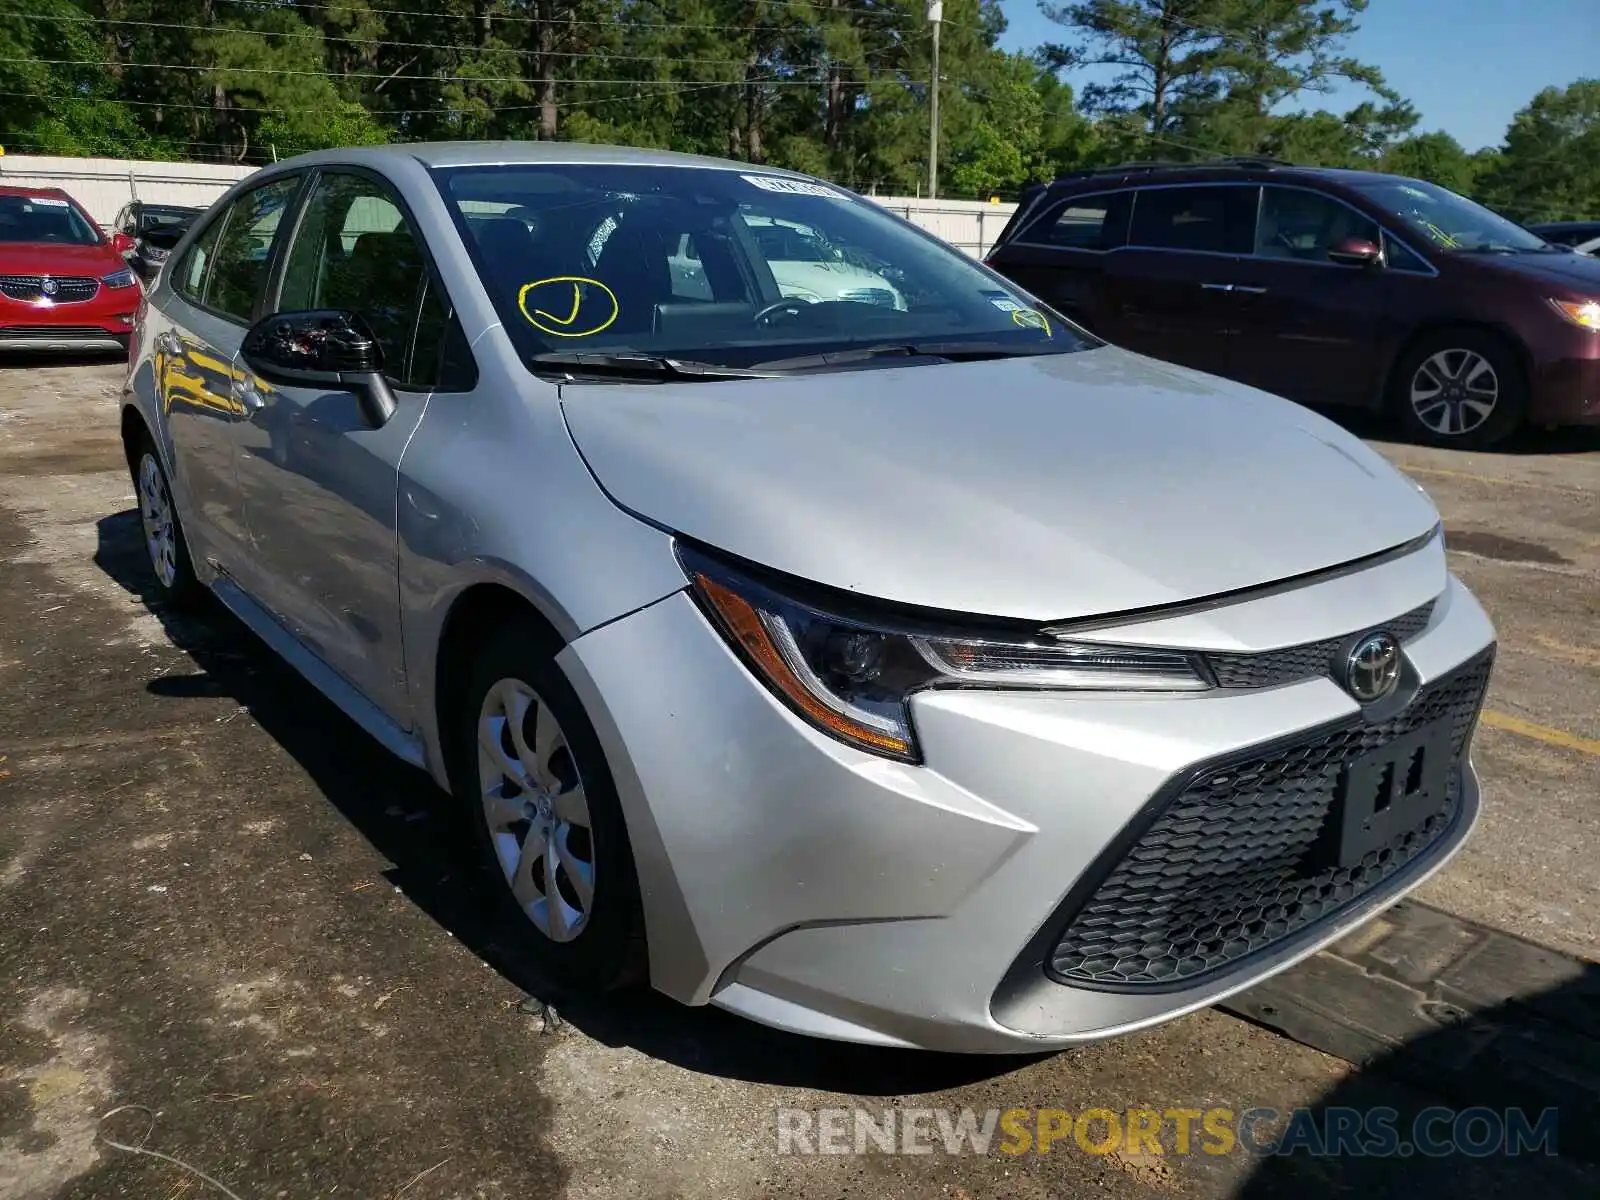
325 347
121 243
1356 252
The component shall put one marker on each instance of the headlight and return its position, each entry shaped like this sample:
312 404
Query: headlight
852 676
118 279
1580 312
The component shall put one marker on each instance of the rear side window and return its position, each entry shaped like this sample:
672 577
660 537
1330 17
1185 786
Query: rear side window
1086 223
244 252
1216 219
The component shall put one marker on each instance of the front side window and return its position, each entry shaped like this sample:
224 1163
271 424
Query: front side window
1446 220
1304 226
45 219
244 251
1220 220
355 250
195 269
733 268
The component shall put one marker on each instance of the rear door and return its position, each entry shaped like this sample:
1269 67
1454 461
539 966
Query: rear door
1169 292
204 316
1309 328
1060 253
319 482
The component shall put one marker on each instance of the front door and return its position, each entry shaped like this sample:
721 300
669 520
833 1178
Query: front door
319 482
1308 328
197 333
1170 291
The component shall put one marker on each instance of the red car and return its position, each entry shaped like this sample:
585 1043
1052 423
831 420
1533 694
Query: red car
62 286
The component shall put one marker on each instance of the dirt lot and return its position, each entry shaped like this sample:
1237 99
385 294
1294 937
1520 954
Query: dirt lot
221 902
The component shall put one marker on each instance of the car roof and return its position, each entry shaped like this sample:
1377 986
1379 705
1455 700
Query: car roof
13 190
509 153
1221 170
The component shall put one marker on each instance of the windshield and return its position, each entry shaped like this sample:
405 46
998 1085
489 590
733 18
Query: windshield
44 219
728 267
1449 221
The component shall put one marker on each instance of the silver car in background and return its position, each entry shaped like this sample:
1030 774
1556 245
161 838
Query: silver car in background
923 674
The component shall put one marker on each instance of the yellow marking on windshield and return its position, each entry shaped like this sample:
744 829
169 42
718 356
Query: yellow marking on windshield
593 306
1031 318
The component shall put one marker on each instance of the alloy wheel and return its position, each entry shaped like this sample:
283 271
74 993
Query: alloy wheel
1454 391
155 513
535 809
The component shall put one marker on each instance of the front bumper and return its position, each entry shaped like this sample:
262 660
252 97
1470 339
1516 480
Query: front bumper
1566 389
104 321
819 889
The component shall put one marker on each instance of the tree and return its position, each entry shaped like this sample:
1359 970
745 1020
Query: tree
1436 157
1549 167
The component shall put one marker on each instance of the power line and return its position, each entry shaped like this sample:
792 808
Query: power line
314 35
852 13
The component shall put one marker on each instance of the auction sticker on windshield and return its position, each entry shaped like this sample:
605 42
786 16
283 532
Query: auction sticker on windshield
792 187
569 306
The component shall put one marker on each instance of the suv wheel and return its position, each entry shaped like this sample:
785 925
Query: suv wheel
164 542
545 817
1460 388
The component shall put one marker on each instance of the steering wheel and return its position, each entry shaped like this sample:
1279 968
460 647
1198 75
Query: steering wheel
792 307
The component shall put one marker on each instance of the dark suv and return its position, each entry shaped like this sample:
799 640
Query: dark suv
1326 286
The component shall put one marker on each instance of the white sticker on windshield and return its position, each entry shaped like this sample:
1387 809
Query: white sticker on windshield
1003 302
48 201
792 187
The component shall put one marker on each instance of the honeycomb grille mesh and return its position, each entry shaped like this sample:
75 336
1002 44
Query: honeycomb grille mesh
1274 668
1227 869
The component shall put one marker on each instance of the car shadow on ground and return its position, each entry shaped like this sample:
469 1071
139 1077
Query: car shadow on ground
1506 1101
409 821
28 360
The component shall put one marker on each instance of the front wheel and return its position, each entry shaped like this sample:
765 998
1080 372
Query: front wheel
545 817
1461 388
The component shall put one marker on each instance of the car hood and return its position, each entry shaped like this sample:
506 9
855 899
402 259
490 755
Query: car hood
55 258
1576 272
1041 488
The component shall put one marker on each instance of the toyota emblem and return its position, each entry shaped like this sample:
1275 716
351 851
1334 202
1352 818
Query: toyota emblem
1373 668
47 285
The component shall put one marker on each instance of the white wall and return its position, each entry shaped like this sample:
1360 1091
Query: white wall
104 185
970 225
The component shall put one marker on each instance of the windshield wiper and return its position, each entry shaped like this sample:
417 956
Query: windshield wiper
952 351
638 366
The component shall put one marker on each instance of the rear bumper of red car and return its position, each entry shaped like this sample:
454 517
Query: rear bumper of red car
103 321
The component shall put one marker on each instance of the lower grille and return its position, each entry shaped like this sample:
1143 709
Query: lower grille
63 289
54 331
1273 668
1232 864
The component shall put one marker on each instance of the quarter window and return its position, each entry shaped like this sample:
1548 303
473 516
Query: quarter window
245 249
1216 219
354 250
1304 226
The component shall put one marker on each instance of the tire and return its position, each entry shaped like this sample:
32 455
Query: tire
166 547
1459 387
583 943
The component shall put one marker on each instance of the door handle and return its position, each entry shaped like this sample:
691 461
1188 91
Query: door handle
1217 287
1254 291
167 342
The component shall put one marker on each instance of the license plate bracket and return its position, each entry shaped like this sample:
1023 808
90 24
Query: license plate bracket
1389 792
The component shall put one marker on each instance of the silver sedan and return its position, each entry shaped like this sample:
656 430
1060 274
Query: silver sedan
925 674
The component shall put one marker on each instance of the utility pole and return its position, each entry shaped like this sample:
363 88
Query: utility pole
935 15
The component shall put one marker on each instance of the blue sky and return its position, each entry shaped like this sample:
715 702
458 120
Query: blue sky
1467 65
